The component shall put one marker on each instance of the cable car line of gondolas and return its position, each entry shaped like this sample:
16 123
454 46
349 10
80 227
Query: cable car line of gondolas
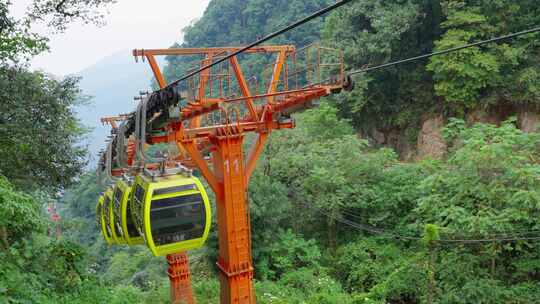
164 207
169 211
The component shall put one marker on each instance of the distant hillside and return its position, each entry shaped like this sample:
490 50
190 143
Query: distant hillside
112 82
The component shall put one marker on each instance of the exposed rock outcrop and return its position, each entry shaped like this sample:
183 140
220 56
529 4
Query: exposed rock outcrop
395 139
494 115
528 120
481 116
430 141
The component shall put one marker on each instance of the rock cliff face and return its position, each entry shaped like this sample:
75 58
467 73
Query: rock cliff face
482 116
396 139
528 117
430 142
492 115
528 120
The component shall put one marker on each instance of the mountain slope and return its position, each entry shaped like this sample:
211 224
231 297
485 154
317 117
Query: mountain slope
112 83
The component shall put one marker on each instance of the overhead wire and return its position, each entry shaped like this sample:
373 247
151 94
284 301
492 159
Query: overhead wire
363 227
394 235
446 51
502 233
492 240
262 40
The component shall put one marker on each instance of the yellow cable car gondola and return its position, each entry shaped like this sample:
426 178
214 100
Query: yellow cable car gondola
122 214
172 212
107 216
116 232
101 220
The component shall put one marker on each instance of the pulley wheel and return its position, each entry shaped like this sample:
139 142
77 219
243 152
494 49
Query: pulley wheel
348 84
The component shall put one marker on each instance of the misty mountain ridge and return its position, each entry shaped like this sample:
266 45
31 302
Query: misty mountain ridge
112 82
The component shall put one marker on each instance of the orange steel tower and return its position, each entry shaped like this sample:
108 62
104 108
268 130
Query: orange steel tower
217 109
180 278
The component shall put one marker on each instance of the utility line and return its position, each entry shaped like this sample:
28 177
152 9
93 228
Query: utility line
361 227
388 234
450 50
502 234
491 240
262 40
382 233
364 227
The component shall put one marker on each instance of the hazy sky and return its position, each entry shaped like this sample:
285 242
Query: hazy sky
130 24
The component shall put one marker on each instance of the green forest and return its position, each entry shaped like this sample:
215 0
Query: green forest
421 185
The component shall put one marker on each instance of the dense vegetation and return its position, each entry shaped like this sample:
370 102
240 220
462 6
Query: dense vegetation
497 79
335 218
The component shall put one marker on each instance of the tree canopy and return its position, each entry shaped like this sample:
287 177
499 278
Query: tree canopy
39 132
373 32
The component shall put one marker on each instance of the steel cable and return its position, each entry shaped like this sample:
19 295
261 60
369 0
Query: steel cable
262 40
450 50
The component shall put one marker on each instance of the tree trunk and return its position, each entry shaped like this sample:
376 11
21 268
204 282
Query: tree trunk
4 238
431 275
493 262
332 233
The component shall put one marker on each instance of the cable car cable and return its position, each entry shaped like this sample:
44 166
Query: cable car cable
368 227
450 50
261 40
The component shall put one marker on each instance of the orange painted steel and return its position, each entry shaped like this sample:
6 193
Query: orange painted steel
112 120
180 278
235 261
211 50
157 72
242 83
217 149
130 151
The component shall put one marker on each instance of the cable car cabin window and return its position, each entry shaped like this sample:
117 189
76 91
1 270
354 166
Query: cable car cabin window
132 230
106 214
139 202
116 211
177 219
174 189
117 198
139 193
